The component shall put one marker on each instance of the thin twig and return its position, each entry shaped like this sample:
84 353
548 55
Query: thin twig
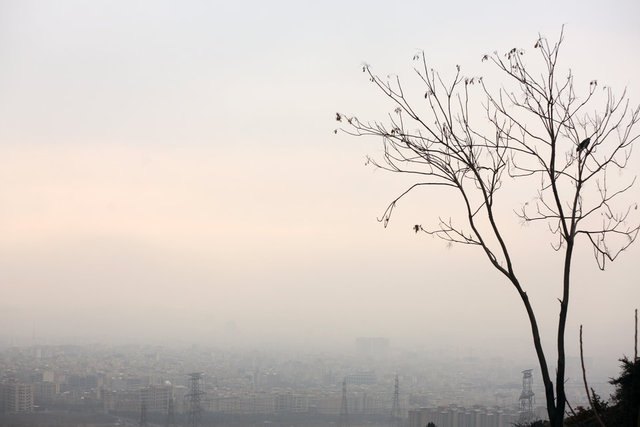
635 346
571 409
586 387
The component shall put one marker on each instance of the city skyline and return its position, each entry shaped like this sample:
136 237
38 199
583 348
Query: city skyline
170 170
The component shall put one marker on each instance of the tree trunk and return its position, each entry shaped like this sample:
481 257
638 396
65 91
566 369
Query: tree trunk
562 322
546 379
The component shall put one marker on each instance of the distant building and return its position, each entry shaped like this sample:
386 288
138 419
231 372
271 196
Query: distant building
362 378
250 403
16 397
291 403
44 393
457 416
82 382
121 401
157 397
372 347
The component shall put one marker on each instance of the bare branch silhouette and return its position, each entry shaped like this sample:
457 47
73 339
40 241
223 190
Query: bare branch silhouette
536 129
590 397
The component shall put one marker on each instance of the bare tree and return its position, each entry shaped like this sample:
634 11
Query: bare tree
539 130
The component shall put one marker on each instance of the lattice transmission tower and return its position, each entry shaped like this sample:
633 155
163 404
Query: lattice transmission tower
194 399
527 396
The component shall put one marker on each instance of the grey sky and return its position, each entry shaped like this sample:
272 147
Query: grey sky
167 167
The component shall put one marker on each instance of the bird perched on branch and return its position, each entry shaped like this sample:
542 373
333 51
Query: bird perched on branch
584 144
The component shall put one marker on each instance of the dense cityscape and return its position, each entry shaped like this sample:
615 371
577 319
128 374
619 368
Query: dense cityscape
154 385
319 214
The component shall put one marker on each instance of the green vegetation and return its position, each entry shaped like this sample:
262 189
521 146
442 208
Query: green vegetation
622 410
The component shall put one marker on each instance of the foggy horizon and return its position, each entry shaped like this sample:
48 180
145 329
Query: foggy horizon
169 175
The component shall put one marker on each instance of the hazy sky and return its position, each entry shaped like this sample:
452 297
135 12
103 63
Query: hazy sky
168 167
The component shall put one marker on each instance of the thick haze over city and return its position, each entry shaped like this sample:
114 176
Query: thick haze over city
169 174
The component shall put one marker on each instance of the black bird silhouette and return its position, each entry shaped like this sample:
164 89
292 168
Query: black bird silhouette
584 144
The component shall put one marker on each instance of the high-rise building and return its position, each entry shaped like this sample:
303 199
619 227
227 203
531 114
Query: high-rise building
16 397
157 397
45 392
